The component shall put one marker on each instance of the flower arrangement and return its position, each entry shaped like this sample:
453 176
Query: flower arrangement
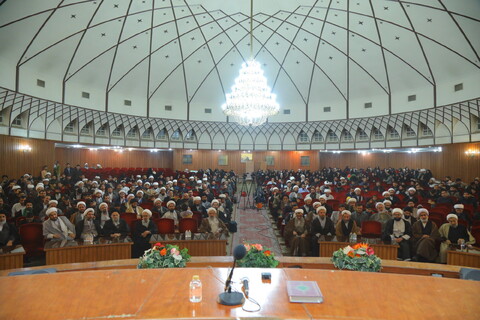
360 257
164 256
257 257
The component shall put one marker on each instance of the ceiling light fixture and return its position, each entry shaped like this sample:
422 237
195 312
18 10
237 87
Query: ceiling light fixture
251 101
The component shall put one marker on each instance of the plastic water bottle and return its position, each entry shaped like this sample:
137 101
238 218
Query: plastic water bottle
353 237
188 235
195 289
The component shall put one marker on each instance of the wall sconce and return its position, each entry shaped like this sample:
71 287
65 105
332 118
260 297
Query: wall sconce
472 153
25 148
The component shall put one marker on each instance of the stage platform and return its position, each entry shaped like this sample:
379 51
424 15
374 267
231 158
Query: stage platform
163 294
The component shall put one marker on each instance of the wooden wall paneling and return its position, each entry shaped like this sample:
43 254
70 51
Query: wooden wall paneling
14 162
113 159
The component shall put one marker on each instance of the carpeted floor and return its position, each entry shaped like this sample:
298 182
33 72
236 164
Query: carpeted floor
255 226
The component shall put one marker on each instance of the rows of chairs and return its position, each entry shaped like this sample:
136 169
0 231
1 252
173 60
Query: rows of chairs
103 173
32 240
167 226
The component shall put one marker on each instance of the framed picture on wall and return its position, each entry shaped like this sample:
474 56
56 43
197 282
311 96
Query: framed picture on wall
244 157
305 161
223 160
187 159
270 160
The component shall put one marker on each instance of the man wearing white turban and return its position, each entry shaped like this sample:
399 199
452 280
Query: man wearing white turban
296 232
142 232
57 227
425 234
399 231
453 234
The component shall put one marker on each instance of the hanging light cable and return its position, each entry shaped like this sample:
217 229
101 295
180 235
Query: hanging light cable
251 101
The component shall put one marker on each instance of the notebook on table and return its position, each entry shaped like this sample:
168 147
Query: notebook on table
304 292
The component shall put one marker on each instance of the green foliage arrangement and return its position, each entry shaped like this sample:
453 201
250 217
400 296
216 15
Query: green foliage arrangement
257 257
360 257
164 256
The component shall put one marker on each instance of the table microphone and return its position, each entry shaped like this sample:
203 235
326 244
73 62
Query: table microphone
229 298
245 286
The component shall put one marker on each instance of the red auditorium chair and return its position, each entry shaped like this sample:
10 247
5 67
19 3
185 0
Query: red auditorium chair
130 219
166 226
438 221
198 217
147 205
333 203
371 229
188 224
31 237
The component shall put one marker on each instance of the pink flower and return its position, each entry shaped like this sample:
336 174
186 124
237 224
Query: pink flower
258 246
174 251
247 246
370 251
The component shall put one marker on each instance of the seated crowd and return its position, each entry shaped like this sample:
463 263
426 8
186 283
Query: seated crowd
74 207
410 208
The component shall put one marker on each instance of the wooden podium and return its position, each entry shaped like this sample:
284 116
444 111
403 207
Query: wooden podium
163 294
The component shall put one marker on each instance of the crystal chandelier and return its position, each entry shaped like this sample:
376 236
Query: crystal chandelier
251 101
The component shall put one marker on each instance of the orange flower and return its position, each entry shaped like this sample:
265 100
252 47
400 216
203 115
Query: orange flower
267 253
351 254
163 252
258 246
360 245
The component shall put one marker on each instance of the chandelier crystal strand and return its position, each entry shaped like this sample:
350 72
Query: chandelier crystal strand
251 101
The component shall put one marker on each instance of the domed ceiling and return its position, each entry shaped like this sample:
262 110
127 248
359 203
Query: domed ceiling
347 73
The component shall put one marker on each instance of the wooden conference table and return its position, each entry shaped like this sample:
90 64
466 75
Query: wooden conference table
163 293
11 257
328 245
71 251
197 247
470 258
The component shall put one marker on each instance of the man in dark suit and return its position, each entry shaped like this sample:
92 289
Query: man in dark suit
8 233
115 227
68 171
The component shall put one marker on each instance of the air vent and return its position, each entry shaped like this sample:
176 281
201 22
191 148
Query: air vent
411 98
128 103
168 108
327 109
85 95
40 83
208 110
286 111
458 87
368 105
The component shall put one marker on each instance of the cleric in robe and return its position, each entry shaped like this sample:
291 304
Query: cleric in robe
452 234
115 227
346 226
89 226
399 231
321 226
142 233
8 233
57 227
296 232
425 234
213 225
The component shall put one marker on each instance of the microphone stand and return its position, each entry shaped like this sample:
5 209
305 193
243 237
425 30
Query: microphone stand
229 298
